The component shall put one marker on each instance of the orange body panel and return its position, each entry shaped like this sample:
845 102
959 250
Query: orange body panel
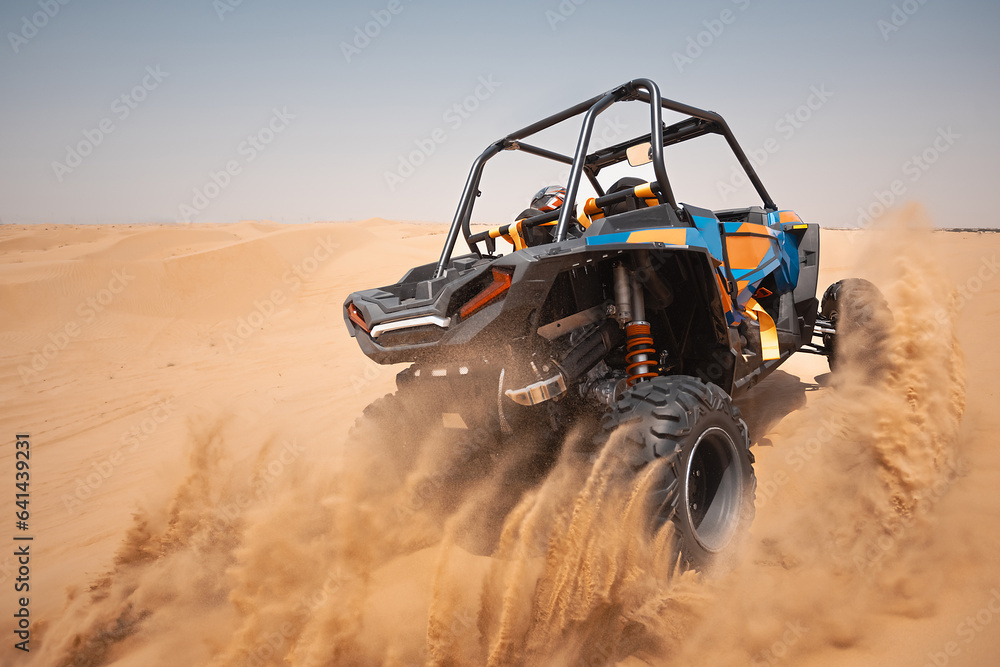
747 252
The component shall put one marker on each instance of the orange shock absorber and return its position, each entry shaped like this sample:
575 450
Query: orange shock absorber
640 352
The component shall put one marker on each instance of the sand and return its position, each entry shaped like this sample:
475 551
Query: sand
188 391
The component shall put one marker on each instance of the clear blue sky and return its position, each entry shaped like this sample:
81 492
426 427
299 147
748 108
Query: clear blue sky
199 79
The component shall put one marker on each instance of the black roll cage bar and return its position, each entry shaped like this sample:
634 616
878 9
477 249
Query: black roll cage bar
698 123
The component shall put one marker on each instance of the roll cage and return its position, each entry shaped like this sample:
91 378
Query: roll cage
698 123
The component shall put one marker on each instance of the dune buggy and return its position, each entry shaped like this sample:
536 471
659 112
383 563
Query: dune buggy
629 305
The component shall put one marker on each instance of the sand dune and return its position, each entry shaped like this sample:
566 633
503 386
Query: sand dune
189 390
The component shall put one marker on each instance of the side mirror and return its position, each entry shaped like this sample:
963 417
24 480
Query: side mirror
639 155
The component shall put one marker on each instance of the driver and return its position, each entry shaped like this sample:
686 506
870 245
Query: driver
547 199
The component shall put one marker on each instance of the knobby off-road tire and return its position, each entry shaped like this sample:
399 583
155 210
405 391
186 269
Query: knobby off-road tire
385 441
399 426
396 423
707 486
858 311
389 441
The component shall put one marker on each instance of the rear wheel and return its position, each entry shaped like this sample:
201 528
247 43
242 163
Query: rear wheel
406 461
386 440
707 485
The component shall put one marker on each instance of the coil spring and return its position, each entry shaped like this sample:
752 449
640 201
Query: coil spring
639 352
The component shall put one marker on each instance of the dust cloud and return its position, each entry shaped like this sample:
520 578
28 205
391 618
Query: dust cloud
350 556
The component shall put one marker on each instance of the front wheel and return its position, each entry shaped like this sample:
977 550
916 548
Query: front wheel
861 320
707 484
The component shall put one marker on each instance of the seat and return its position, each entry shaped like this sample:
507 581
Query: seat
632 202
534 236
